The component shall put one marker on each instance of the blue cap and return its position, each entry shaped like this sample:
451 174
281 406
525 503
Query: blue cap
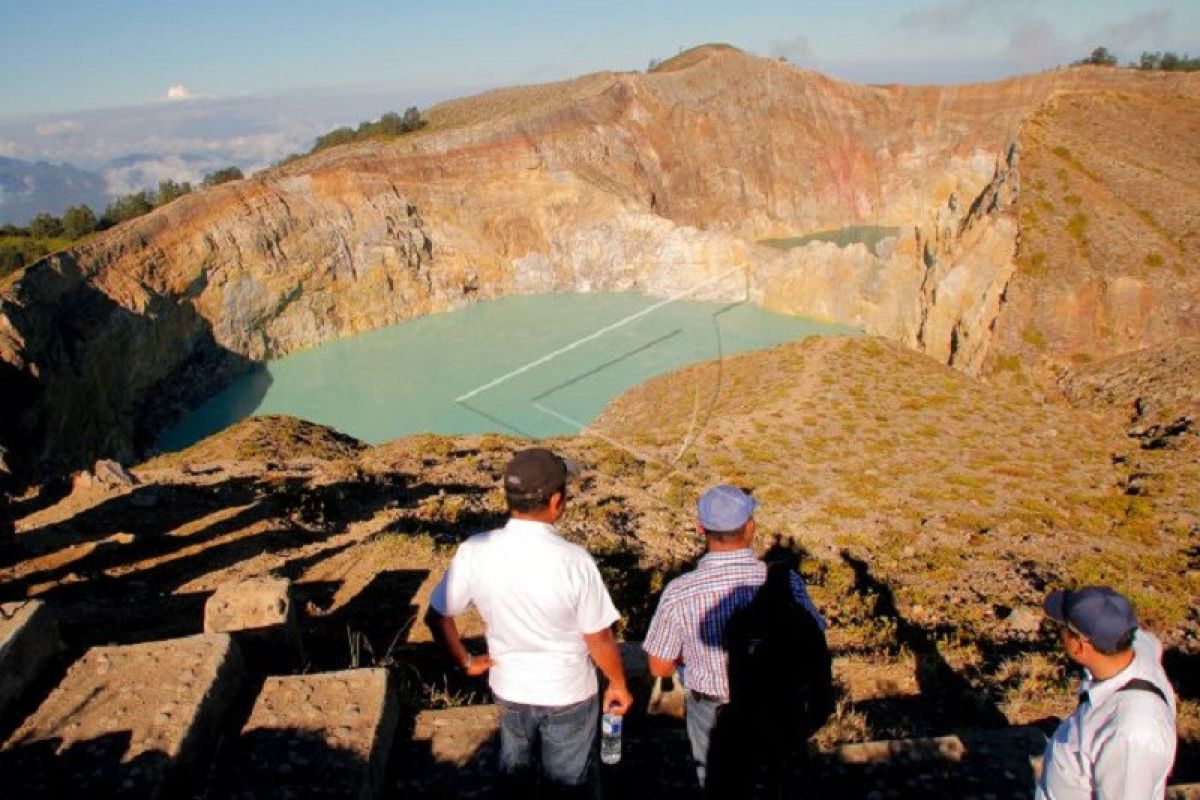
725 508
1100 614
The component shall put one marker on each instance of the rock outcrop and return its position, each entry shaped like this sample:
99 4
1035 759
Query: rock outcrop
654 182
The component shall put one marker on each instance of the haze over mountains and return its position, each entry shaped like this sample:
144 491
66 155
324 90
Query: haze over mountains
27 188
50 162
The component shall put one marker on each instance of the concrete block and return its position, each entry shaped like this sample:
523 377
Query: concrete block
128 721
28 639
323 735
253 604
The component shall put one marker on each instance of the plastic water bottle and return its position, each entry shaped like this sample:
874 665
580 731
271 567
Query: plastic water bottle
610 738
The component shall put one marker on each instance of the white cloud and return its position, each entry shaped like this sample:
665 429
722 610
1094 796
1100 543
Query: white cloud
179 92
59 127
795 49
146 173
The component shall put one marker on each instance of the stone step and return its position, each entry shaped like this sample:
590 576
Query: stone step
129 721
28 640
1018 742
323 735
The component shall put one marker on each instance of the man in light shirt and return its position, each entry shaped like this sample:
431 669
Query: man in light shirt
547 611
1120 742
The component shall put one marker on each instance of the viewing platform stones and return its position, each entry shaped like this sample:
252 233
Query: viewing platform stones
322 735
261 615
28 639
128 721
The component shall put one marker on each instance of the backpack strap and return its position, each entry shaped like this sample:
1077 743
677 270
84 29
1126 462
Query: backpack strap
1141 684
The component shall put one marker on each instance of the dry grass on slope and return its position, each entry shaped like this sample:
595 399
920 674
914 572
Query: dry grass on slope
965 497
518 101
265 438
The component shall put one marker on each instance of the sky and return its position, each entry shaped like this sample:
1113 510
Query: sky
182 85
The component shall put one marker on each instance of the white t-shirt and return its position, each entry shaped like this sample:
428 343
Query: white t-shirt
538 594
1118 745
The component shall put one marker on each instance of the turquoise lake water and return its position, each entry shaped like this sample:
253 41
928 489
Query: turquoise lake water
870 235
533 365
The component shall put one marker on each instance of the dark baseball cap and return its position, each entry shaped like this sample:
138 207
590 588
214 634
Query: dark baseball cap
1097 612
537 473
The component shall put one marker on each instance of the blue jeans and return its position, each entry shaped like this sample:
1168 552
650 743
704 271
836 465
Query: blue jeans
723 746
701 718
554 743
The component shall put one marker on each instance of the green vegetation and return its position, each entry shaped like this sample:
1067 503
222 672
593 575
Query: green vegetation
1034 338
18 249
870 235
388 126
45 233
223 176
1100 57
1077 227
1167 62
1037 264
1008 362
1149 62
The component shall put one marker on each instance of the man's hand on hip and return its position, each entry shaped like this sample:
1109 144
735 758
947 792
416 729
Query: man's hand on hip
477 665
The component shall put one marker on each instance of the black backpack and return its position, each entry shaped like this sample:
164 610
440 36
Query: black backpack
780 669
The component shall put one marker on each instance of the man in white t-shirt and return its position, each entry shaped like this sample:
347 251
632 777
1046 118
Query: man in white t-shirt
1120 742
549 625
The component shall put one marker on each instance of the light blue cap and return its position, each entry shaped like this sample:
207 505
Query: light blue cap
725 508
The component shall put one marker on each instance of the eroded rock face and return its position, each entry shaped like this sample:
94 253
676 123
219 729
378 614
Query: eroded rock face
657 182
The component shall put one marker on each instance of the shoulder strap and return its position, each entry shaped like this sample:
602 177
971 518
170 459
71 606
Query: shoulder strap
1141 684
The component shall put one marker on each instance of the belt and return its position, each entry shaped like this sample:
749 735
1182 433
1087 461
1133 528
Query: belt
708 698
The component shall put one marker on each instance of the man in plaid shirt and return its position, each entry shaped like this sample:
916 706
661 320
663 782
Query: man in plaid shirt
688 626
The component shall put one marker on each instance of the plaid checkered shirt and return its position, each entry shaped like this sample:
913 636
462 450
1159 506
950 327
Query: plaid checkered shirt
694 608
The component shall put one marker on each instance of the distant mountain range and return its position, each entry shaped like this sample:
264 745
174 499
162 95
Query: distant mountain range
30 187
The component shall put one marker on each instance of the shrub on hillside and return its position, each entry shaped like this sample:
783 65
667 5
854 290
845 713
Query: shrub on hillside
45 226
1168 62
78 221
1100 57
389 125
126 207
223 176
169 190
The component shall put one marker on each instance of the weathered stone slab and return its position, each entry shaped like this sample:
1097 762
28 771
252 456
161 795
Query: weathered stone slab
128 721
324 735
1017 742
252 604
28 639
260 613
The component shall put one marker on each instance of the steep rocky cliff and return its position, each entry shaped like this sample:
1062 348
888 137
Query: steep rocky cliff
657 182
